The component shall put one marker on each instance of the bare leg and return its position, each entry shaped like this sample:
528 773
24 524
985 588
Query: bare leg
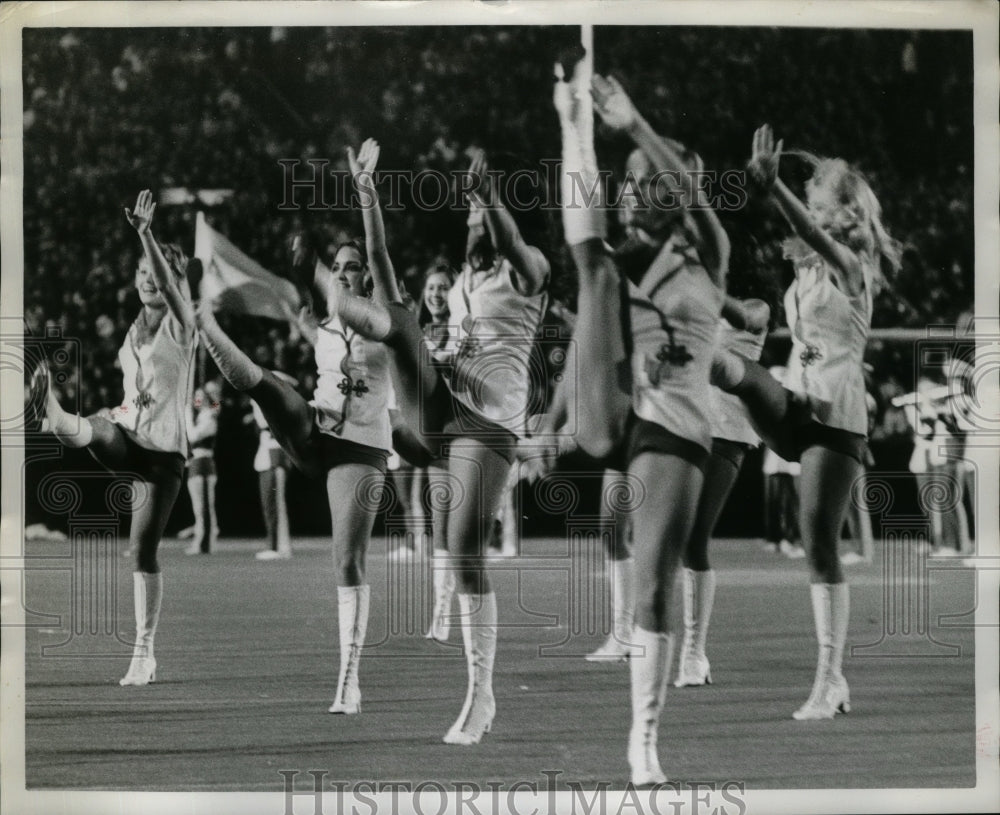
152 502
604 401
767 401
353 517
662 525
439 486
482 473
621 569
826 481
698 577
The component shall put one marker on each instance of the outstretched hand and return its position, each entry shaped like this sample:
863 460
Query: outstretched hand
141 217
763 164
478 172
612 103
366 159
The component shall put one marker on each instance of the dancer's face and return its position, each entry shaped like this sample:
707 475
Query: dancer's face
839 208
640 216
349 270
149 293
436 289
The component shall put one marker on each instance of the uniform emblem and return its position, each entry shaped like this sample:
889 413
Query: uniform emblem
810 355
347 386
670 355
144 399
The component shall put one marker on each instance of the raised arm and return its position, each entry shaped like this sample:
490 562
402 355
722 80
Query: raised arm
763 170
618 111
363 169
530 265
141 219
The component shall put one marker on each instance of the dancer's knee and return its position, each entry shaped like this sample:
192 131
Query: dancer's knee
696 558
146 559
471 580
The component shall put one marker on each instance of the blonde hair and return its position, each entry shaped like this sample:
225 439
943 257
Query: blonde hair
837 174
175 257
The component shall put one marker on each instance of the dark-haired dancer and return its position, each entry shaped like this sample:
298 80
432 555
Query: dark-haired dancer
743 330
147 434
343 434
645 343
820 418
471 410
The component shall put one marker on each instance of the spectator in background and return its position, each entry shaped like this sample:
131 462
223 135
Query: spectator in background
202 429
272 466
859 521
962 403
939 481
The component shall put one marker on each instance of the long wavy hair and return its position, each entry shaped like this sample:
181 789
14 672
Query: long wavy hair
837 176
318 301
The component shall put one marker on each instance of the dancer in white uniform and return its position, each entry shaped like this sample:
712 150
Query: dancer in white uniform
743 330
469 410
147 433
820 418
343 433
645 348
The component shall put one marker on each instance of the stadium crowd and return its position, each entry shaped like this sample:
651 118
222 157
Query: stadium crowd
110 111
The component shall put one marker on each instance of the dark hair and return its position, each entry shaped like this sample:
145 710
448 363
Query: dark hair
318 302
440 267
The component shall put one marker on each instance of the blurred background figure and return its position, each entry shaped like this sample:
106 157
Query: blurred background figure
203 428
962 397
936 460
272 466
859 521
781 498
406 479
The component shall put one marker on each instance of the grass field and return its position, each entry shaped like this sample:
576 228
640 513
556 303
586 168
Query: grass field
247 655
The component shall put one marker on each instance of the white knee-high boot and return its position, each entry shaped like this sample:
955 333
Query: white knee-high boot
699 598
352 603
616 647
650 658
479 635
147 595
444 591
831 612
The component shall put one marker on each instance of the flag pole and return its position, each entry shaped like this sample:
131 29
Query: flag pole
586 71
